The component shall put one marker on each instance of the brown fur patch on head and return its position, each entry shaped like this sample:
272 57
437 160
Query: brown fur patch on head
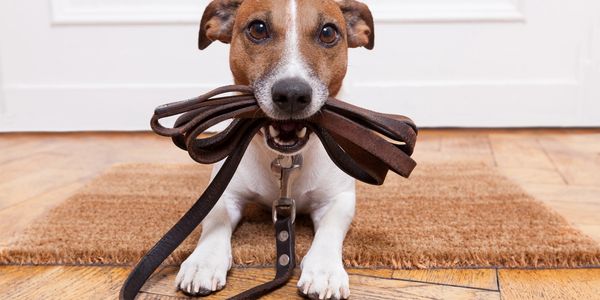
228 21
217 22
359 22
329 63
248 60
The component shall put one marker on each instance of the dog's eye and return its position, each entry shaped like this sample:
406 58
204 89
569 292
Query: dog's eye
258 31
328 35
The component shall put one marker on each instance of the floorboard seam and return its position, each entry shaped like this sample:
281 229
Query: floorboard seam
498 283
489 142
158 294
428 282
562 176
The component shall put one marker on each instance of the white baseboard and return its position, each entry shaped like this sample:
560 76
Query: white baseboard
535 103
430 104
93 107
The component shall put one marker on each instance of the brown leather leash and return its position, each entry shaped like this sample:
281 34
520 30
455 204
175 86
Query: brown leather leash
362 143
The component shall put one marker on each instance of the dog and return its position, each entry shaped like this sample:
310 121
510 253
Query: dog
294 53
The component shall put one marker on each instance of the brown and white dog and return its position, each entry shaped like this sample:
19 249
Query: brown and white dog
294 53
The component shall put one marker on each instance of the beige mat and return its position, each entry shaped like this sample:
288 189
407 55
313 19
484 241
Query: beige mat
454 215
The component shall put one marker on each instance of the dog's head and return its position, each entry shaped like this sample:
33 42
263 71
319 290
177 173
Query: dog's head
293 52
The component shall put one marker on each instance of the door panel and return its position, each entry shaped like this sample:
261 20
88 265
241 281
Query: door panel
105 64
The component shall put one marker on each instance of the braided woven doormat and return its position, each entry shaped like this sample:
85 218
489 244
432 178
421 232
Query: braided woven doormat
452 215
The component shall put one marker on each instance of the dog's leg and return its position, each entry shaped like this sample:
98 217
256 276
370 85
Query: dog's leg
205 270
323 275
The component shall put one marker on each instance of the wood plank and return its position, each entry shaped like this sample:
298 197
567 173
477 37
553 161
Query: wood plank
562 193
578 213
475 278
382 273
519 151
151 296
464 147
584 142
579 204
60 282
6 143
429 143
375 288
31 164
577 167
25 147
476 144
592 231
78 282
533 175
36 184
17 217
362 287
238 280
550 284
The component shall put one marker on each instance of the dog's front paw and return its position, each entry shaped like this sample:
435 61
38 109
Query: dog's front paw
323 277
203 273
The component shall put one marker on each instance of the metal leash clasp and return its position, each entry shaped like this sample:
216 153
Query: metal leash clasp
283 168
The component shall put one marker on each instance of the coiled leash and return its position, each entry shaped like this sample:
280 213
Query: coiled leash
363 143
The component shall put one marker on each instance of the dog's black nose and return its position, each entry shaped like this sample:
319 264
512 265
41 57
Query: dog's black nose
291 95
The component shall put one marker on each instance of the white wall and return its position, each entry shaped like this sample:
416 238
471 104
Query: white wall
105 64
2 101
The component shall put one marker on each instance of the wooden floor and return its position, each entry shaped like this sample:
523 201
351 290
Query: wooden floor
559 167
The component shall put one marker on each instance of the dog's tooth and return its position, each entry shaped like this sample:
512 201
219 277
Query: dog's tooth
301 133
273 132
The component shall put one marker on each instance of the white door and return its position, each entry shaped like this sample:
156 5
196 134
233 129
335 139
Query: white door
105 64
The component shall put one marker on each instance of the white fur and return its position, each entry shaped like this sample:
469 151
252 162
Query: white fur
320 189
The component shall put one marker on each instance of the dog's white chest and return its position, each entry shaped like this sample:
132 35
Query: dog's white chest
316 181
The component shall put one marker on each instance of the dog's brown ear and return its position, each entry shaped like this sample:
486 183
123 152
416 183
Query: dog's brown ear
217 22
359 23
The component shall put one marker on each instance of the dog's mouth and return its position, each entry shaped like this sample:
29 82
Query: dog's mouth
286 137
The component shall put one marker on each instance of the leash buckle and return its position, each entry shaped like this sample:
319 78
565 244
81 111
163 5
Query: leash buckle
284 167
